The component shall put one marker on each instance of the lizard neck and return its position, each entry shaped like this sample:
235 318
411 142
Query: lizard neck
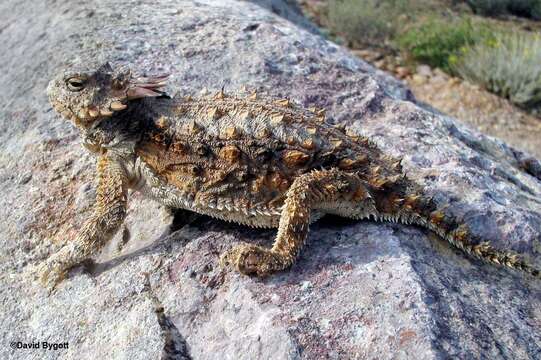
117 132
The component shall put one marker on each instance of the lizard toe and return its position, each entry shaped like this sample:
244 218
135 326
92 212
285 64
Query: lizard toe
249 259
255 260
49 276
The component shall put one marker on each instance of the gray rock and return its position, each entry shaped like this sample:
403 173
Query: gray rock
360 290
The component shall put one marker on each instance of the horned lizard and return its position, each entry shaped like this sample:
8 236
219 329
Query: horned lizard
256 161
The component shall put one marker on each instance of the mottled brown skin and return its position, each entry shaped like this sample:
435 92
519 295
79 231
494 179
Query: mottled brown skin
256 161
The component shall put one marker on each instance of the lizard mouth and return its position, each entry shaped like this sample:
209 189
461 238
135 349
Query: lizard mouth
147 87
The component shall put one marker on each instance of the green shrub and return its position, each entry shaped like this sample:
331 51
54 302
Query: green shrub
508 64
526 8
365 22
437 41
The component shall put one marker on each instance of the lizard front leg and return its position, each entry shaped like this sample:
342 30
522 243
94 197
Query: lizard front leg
109 213
326 190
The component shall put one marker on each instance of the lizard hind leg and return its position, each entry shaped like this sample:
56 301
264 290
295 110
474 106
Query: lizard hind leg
311 193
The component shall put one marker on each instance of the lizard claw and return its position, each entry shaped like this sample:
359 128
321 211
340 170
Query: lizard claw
250 259
48 275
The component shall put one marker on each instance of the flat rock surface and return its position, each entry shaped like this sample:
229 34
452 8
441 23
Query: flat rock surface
360 290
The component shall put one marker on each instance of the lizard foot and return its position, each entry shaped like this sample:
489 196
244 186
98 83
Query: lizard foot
49 275
250 259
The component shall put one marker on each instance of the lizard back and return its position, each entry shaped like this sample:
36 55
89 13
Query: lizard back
247 151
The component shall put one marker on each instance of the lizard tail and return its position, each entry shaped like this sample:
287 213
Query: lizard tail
423 211
461 238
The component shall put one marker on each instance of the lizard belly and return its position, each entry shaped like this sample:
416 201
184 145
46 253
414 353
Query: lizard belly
146 181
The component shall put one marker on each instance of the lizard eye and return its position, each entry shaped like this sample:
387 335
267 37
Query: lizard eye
75 84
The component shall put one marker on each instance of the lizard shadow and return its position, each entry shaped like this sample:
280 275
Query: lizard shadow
329 238
335 244
333 241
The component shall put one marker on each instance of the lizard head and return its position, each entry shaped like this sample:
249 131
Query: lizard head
88 96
